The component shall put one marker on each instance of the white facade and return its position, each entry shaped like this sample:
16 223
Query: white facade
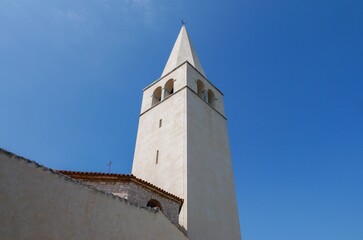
182 145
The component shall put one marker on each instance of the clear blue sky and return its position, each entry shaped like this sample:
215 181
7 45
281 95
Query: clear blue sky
71 75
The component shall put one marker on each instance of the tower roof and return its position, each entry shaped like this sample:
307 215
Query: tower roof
183 51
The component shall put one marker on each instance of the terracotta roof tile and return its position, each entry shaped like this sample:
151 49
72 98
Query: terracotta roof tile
116 177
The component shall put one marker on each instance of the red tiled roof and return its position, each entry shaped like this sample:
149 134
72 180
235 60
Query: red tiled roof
116 177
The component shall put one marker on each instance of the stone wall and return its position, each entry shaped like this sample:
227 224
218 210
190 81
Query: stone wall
38 203
140 196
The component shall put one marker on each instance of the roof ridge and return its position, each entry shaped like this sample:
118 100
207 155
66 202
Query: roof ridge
131 176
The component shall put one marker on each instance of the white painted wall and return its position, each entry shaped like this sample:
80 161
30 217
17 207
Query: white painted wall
212 207
180 81
36 203
194 156
169 139
192 78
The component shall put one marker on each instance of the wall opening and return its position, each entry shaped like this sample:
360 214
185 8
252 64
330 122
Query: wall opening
169 88
211 98
157 157
200 89
160 123
152 203
156 96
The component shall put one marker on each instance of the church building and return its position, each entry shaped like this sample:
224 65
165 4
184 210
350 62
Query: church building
181 185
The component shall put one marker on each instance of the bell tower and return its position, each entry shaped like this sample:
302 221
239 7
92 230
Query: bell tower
182 145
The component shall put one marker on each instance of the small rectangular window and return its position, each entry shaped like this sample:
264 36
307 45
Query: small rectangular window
157 157
160 123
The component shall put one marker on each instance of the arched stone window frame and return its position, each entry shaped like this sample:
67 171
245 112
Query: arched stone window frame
153 203
169 88
156 97
201 92
212 98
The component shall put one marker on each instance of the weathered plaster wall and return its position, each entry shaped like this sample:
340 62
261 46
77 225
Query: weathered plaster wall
36 203
119 189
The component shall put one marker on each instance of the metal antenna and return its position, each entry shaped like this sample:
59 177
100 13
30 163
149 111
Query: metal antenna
109 166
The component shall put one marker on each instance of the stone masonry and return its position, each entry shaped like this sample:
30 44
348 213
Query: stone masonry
135 190
140 196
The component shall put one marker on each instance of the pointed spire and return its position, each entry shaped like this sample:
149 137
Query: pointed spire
182 51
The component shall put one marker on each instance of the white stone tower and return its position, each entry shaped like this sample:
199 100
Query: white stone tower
182 145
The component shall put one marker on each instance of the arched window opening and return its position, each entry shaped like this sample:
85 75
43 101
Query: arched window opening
211 98
154 204
156 96
200 89
169 88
